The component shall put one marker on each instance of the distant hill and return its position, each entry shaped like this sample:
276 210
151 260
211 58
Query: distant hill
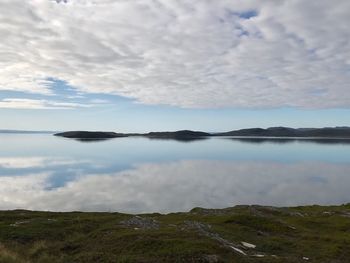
90 135
177 134
184 135
188 135
336 132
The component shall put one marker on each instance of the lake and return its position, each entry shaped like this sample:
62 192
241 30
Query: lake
136 175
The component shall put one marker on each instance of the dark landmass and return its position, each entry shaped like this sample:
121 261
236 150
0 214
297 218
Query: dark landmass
90 135
239 234
188 135
334 132
184 135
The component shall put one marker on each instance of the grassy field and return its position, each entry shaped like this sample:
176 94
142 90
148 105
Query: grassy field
238 234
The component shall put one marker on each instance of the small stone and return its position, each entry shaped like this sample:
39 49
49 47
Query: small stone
141 223
238 250
248 245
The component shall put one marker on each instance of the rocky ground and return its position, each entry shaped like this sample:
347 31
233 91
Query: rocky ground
238 234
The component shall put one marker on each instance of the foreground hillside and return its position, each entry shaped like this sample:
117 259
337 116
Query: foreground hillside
238 234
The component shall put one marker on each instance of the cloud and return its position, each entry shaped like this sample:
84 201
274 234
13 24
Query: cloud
14 103
180 186
199 54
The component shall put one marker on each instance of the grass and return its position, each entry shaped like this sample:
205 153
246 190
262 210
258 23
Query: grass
296 234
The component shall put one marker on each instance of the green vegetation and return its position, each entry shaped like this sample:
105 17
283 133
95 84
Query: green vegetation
298 234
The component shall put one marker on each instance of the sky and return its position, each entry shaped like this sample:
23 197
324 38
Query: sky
143 65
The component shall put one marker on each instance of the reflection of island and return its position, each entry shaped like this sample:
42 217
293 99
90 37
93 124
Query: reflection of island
277 140
278 134
179 139
91 139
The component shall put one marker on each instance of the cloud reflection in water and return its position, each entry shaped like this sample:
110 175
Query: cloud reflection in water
180 186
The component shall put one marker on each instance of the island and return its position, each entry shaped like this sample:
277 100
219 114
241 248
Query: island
90 135
329 132
183 135
188 135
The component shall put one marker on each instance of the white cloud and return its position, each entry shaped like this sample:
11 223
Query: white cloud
182 53
14 103
180 186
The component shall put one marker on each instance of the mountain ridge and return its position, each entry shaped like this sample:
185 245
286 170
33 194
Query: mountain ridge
334 132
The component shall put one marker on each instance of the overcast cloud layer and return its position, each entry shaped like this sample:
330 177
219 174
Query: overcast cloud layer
234 53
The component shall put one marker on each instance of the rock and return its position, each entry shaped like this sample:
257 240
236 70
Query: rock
205 229
20 223
138 222
238 250
261 233
345 214
248 245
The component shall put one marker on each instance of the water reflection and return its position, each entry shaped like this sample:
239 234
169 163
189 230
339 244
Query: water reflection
177 139
289 140
91 139
142 175
274 140
174 186
34 162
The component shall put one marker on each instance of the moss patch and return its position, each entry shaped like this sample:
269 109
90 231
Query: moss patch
296 234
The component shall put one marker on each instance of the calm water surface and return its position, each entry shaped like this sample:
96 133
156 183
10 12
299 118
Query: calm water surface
43 172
